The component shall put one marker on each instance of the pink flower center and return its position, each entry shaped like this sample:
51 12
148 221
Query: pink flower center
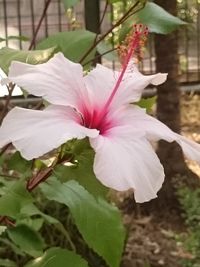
99 118
93 119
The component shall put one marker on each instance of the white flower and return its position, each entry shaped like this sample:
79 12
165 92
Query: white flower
98 106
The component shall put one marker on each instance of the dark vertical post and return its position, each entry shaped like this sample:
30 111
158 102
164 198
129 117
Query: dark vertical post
59 16
151 54
92 15
5 21
92 18
198 38
112 38
19 22
46 21
187 44
32 20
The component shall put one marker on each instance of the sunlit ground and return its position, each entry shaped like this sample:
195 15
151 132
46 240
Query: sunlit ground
190 119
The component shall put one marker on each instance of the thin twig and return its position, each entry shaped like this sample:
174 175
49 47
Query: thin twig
100 55
2 218
129 13
9 176
9 222
39 24
42 175
6 221
101 21
4 149
136 11
39 105
4 111
104 13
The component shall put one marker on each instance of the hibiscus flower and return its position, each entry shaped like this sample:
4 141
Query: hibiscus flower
99 106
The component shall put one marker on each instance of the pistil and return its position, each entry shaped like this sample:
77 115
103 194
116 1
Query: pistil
130 48
135 43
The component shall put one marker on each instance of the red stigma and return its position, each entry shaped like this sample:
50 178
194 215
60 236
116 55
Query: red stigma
137 38
133 49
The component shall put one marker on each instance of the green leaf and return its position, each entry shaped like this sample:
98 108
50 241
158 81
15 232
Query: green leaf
20 38
7 242
14 200
72 44
82 170
7 263
5 184
104 47
34 223
147 103
69 3
99 222
7 55
157 19
58 257
31 210
114 1
12 37
27 239
17 163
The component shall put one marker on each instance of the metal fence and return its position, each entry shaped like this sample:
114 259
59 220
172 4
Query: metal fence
21 17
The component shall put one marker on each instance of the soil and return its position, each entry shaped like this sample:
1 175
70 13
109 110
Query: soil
153 240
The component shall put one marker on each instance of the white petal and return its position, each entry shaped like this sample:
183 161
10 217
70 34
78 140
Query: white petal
190 148
134 83
100 83
123 163
156 130
35 132
59 80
